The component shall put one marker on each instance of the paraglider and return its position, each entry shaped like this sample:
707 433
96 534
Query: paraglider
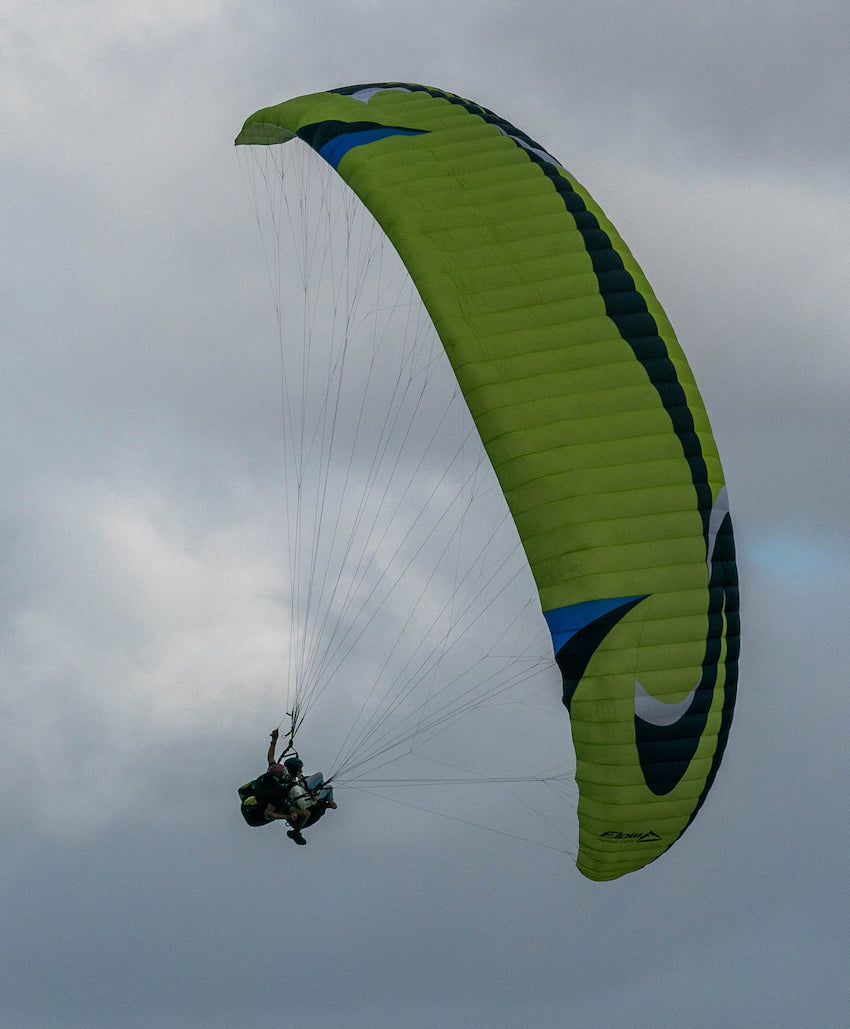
284 793
595 428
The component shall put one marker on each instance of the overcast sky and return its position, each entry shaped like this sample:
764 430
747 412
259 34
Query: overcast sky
139 527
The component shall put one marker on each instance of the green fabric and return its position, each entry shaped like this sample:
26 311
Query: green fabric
596 430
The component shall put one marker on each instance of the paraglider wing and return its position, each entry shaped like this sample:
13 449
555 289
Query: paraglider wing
597 433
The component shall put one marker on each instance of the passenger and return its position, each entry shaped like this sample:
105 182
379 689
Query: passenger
265 799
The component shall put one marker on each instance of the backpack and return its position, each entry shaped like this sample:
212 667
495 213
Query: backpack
253 813
257 794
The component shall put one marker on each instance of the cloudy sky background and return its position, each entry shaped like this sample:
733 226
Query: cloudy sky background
140 527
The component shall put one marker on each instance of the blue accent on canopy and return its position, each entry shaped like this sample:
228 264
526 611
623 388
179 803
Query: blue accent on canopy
335 149
565 622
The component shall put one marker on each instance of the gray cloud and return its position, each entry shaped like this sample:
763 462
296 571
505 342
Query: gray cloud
142 586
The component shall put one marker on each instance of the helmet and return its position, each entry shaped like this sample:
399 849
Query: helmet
293 765
277 769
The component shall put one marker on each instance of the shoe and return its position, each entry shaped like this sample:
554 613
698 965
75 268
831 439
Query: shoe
296 837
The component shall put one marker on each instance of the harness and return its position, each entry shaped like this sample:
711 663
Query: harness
256 795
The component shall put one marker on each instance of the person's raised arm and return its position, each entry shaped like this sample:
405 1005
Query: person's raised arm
272 747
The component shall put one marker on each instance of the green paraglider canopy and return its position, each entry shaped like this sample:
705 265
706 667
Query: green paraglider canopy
595 428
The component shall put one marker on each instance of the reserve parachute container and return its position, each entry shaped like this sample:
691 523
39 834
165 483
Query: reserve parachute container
593 423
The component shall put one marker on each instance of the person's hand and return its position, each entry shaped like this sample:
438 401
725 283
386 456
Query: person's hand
274 734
